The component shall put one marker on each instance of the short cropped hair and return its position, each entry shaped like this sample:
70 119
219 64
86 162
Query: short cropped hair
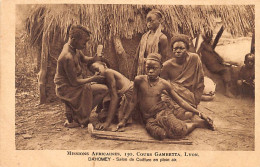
155 57
77 31
97 59
157 12
180 38
249 54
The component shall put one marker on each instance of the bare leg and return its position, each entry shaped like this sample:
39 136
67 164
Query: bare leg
188 115
226 75
240 88
69 123
99 91
190 127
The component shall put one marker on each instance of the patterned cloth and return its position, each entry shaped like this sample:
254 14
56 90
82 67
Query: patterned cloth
189 84
145 48
125 95
162 123
78 99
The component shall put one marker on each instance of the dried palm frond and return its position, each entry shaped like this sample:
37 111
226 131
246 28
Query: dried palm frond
108 20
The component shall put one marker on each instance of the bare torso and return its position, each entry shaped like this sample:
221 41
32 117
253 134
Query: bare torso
121 80
68 55
148 95
171 70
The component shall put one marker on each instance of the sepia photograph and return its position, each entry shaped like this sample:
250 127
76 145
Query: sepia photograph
134 77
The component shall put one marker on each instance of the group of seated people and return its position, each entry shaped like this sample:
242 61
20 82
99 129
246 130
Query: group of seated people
164 94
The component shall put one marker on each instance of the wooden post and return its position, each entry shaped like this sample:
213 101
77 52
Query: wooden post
121 56
38 50
42 75
197 41
252 50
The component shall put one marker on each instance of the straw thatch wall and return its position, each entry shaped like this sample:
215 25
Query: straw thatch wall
123 25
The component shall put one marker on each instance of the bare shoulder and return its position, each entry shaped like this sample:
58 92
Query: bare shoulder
163 37
167 63
109 72
65 57
139 79
164 82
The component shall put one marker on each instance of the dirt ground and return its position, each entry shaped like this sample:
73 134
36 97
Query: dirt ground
41 128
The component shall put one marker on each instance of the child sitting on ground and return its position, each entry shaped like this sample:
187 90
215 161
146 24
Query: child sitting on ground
158 117
246 76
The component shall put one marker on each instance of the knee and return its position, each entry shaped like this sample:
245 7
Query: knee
188 115
239 82
99 89
103 88
155 131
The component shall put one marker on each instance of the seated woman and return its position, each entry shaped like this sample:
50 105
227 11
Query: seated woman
184 72
78 94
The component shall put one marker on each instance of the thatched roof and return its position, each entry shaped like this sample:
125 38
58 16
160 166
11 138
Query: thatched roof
105 21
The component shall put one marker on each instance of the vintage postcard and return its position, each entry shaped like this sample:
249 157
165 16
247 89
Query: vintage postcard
129 83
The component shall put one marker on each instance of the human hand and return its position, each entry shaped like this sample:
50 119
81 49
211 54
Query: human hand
102 126
239 82
98 58
208 120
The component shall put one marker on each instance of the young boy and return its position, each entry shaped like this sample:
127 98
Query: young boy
120 91
159 119
246 77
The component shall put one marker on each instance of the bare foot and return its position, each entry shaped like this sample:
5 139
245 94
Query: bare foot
71 125
204 122
209 123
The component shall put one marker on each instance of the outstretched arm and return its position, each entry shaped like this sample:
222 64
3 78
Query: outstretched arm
84 58
179 100
187 106
70 69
